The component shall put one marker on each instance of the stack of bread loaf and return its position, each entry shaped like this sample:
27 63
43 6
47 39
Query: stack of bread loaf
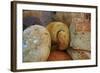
80 36
58 36
60 40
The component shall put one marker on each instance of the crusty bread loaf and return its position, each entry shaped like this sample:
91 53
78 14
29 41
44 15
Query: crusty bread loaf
79 54
59 34
80 32
36 44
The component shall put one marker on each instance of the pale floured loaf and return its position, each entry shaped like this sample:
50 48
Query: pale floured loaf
36 44
80 32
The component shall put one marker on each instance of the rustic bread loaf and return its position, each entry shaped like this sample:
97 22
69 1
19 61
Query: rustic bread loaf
59 34
80 32
36 44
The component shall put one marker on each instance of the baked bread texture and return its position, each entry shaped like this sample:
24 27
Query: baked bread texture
80 33
36 44
59 34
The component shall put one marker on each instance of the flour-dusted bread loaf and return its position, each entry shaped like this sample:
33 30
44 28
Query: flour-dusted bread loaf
59 34
80 32
36 44
79 54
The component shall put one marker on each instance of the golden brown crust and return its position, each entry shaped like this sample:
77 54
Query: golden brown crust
59 34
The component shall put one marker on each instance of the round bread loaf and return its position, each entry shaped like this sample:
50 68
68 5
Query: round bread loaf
58 56
36 44
80 32
59 34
